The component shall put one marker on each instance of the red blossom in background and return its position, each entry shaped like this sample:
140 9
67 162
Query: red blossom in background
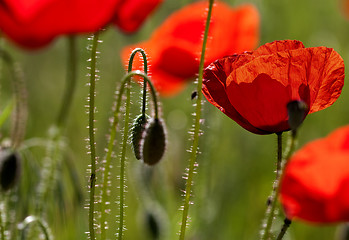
175 47
35 23
315 184
253 88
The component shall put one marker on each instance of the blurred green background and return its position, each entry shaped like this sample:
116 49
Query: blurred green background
236 168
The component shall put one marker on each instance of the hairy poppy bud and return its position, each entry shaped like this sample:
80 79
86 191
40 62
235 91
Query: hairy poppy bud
9 169
297 111
137 130
154 142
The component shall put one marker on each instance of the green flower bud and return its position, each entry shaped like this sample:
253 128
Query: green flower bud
10 165
137 131
154 142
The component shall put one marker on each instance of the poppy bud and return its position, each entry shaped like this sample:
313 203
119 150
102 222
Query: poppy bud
153 225
9 169
137 130
297 111
154 142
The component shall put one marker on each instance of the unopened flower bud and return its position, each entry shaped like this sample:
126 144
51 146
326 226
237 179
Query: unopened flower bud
154 142
9 169
137 131
297 111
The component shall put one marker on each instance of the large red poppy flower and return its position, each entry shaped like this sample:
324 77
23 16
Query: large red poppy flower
253 88
315 184
174 48
34 23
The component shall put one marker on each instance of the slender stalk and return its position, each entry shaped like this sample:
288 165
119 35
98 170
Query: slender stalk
20 96
70 82
91 126
30 220
270 212
195 144
123 162
287 223
145 62
113 135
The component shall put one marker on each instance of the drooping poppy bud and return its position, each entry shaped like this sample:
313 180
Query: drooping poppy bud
154 142
297 111
137 131
153 225
9 169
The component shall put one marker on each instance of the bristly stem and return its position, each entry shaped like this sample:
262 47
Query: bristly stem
126 82
111 142
70 82
20 96
91 126
270 212
145 62
195 144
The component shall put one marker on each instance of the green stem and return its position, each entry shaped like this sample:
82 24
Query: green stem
111 142
145 62
91 125
70 82
270 212
30 220
20 95
287 223
195 144
123 161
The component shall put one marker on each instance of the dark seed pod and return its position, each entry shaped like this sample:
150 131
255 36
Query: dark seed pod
10 165
137 131
297 111
154 142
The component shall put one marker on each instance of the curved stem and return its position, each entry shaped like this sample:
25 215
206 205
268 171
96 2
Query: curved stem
124 81
70 82
195 143
91 126
30 220
145 62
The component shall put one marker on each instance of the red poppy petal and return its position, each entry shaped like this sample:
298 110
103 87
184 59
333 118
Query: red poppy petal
131 14
214 89
57 18
261 102
278 46
315 184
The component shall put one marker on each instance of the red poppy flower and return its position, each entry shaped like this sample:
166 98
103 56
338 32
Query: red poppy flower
253 88
315 184
174 48
35 23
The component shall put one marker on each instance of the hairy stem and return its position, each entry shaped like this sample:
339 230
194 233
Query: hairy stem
270 212
195 144
20 96
145 62
91 126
